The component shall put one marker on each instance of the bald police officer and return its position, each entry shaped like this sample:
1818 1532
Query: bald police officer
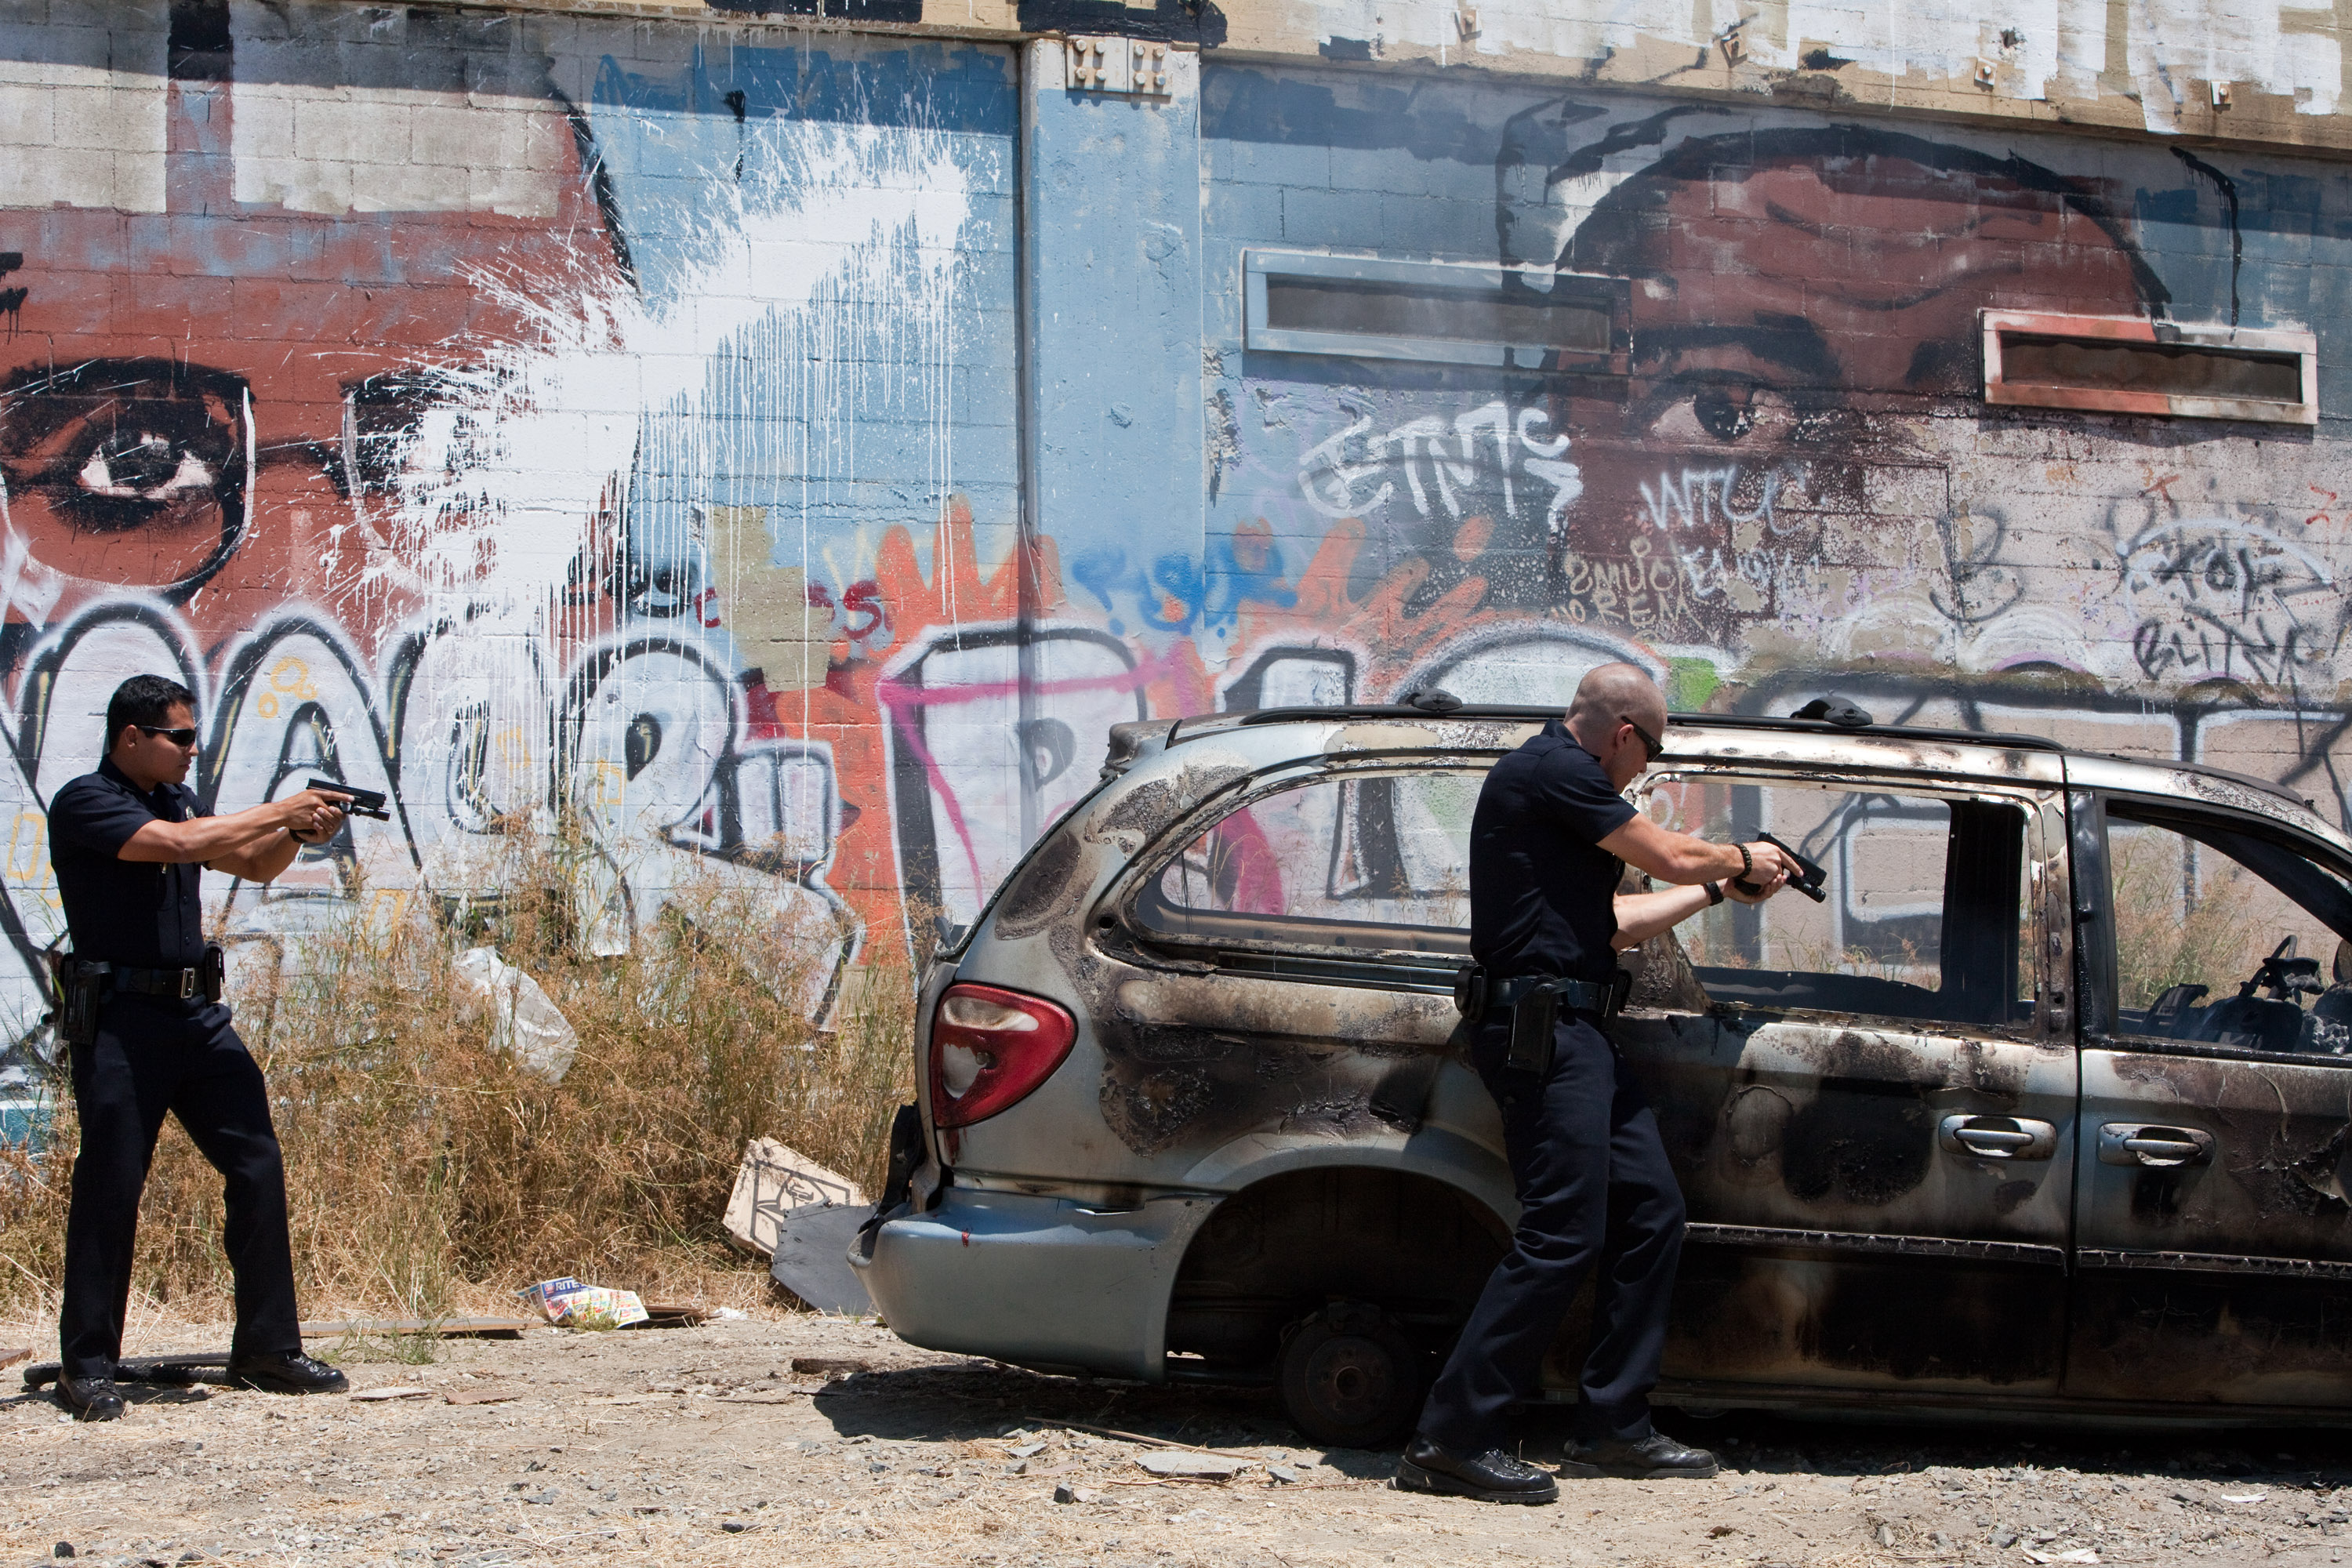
1547 845
147 1033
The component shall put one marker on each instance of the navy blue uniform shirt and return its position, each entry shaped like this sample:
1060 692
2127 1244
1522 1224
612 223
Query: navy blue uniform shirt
1543 894
143 913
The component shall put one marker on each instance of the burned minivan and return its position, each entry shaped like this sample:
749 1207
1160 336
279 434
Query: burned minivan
2045 1105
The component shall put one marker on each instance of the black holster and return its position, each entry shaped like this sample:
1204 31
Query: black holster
1531 1020
1534 1003
213 972
82 986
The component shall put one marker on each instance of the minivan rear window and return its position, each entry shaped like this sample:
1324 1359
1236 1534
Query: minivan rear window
1361 861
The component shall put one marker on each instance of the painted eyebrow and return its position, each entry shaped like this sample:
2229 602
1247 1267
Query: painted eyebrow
1792 345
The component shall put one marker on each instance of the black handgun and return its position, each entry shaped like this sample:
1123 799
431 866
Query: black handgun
1808 880
364 802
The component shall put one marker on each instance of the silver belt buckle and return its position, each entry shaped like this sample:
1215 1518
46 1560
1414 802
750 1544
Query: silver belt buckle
187 985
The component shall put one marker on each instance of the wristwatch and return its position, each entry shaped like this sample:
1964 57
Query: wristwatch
1714 894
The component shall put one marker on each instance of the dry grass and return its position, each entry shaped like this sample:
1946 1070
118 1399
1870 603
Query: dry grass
429 1175
2163 939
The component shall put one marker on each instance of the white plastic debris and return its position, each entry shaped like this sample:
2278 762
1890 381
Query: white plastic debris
775 1182
525 1024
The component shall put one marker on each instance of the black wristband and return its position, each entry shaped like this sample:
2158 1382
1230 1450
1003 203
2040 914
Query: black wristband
1714 894
1746 862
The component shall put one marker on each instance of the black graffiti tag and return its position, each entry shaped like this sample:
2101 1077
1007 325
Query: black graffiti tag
2218 598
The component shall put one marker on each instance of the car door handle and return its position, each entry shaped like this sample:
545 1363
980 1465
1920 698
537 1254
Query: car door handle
1997 1137
2147 1144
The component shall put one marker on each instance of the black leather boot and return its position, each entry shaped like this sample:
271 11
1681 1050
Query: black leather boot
1492 1476
1641 1459
288 1372
91 1398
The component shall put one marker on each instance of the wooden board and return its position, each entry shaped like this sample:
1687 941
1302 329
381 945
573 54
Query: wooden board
445 1327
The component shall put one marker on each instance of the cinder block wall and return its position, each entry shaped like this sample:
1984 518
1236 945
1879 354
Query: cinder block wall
535 413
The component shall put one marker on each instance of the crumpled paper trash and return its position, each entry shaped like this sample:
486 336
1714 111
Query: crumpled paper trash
569 1304
526 1025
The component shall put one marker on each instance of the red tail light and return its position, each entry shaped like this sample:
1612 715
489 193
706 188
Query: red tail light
990 1049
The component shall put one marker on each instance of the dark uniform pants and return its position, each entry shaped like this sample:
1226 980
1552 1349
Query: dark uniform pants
151 1055
1596 1196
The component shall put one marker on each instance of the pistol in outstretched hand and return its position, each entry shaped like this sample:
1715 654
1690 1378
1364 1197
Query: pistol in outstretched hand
1808 880
364 802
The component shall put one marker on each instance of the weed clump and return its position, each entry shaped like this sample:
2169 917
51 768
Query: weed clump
429 1175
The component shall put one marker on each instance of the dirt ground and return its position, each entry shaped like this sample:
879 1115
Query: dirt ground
706 1445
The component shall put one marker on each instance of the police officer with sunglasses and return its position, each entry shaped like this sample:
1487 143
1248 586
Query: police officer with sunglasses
141 1017
1548 842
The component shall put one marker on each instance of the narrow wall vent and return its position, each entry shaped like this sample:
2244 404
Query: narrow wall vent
1442 312
2131 366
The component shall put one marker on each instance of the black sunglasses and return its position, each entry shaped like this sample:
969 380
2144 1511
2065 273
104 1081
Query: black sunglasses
1653 748
177 737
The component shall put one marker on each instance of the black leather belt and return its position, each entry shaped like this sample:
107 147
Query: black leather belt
187 985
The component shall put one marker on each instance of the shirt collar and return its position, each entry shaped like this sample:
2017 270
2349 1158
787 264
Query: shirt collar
107 769
1557 729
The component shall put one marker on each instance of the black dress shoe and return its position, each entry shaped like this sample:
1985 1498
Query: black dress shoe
1640 1458
288 1372
91 1398
1492 1476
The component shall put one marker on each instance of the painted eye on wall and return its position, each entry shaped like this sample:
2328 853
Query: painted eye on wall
144 465
1726 413
129 471
1720 413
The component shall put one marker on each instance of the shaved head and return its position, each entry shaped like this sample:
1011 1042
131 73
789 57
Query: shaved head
1606 700
1615 692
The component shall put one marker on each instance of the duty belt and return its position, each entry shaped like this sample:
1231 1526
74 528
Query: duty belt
1604 997
1479 997
187 985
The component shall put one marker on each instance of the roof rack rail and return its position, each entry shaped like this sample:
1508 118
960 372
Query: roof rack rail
1710 721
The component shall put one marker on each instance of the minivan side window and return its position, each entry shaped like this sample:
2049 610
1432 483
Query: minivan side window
1927 915
1368 860
2224 937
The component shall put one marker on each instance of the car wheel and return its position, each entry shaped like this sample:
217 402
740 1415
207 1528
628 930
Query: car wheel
1350 1378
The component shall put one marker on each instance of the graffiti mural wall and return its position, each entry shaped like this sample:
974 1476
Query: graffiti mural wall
512 429
783 455
1796 486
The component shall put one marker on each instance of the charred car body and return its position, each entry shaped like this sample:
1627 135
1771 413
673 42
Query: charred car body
2047 1106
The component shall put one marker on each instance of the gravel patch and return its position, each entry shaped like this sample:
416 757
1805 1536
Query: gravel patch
707 1445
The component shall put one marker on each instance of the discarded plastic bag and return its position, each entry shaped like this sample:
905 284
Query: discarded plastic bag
569 1304
526 1025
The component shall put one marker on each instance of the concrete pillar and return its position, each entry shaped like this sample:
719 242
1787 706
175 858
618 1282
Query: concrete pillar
1110 260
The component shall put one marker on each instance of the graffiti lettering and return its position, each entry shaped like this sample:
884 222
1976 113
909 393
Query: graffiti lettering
2218 598
1467 464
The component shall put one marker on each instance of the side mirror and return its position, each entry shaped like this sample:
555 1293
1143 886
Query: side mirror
2341 969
